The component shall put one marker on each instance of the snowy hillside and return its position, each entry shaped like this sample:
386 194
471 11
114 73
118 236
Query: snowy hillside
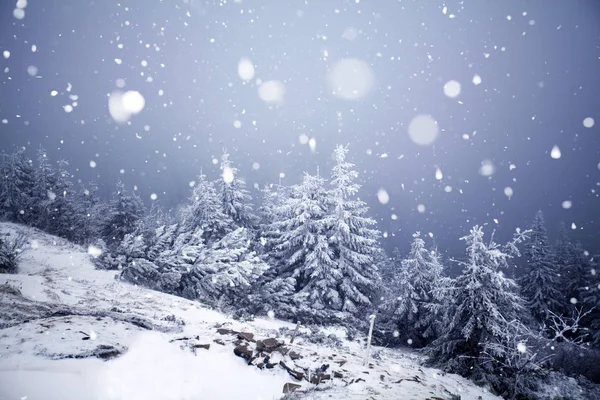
73 332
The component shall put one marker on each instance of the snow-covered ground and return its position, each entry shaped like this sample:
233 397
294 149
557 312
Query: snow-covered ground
65 330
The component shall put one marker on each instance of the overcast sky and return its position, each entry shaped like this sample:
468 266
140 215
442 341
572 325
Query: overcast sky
350 72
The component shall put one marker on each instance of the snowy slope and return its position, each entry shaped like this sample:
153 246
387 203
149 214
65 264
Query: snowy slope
67 309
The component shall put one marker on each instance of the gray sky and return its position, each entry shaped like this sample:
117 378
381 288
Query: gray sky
538 62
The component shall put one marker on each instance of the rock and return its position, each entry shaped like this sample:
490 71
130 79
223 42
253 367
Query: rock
319 377
268 345
323 368
260 365
294 356
282 349
290 387
246 336
202 346
219 341
338 375
225 331
244 352
295 374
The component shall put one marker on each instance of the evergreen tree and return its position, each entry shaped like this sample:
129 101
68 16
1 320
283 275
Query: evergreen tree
223 271
235 199
578 277
16 187
302 246
93 209
43 190
124 212
414 284
485 303
205 211
66 220
539 283
354 241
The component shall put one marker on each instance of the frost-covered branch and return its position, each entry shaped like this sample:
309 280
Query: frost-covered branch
569 326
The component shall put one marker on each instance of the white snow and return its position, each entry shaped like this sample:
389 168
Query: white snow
133 101
383 196
227 175
32 70
452 89
588 122
438 174
6 54
567 204
19 13
476 79
555 153
487 168
312 143
508 191
123 105
423 130
246 69
350 79
56 272
271 91
303 139
421 208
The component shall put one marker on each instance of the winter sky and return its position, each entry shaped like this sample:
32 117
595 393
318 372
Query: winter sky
279 83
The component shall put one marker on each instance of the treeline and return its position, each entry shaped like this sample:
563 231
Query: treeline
311 253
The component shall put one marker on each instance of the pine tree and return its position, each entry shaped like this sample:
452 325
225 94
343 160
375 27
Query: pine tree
124 212
205 211
43 190
485 303
539 283
225 270
235 199
577 280
16 187
354 241
66 220
414 284
302 246
93 209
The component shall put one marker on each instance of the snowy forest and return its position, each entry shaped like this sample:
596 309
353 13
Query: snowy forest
311 253
299 200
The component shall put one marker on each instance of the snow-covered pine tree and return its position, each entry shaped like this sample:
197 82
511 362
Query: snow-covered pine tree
419 275
302 247
16 187
592 300
235 199
66 219
43 189
540 281
354 241
223 271
124 212
578 278
205 211
163 243
93 208
485 302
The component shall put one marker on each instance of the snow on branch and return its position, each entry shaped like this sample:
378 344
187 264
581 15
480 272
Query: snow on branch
569 326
